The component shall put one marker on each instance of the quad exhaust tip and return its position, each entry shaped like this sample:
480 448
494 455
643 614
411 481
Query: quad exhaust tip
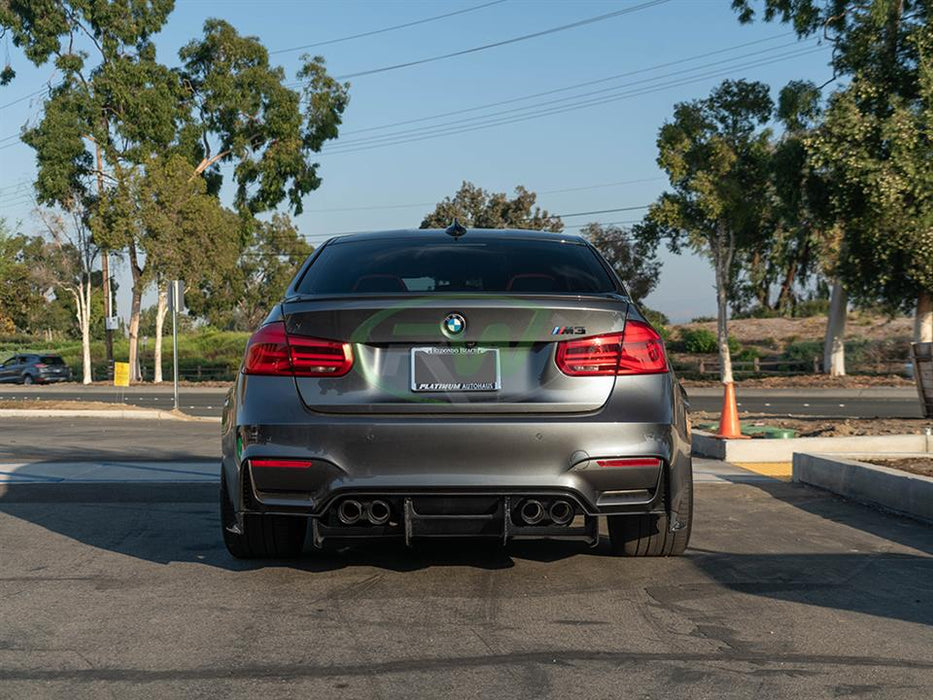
532 512
561 512
349 511
378 512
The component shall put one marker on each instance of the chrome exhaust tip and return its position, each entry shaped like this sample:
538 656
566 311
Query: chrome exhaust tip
349 511
532 512
561 512
378 512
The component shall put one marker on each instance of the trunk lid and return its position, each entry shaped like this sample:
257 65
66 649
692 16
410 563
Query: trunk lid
522 330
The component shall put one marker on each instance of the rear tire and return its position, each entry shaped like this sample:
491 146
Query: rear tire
650 535
263 536
28 380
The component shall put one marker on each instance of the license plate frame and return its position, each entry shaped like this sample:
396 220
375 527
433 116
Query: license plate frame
486 383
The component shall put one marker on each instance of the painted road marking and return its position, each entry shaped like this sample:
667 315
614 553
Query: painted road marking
775 470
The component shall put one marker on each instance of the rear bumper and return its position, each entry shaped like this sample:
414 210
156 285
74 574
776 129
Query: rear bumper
502 456
52 378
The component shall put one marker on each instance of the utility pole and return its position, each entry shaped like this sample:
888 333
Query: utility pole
105 272
108 312
176 301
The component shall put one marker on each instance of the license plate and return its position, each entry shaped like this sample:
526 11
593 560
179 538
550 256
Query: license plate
443 369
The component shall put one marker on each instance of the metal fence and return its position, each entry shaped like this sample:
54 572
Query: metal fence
780 367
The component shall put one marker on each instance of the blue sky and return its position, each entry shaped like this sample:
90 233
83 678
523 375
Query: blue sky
578 158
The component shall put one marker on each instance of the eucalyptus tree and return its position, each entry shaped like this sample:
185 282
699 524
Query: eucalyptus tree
809 234
474 207
240 296
633 258
182 231
716 152
66 264
117 108
876 143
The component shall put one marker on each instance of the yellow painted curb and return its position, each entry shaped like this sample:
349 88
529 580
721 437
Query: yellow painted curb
777 470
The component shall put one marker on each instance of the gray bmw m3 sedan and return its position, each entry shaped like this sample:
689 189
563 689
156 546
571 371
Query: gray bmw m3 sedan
455 384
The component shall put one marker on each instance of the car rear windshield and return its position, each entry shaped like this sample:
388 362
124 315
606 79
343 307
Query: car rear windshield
518 266
52 360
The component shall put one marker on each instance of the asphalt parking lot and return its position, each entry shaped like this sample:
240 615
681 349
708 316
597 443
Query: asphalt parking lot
126 590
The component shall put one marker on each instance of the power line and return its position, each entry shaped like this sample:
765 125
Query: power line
431 204
564 100
388 29
601 211
443 130
575 86
24 98
322 236
504 42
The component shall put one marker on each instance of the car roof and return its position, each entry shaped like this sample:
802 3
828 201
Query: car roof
472 234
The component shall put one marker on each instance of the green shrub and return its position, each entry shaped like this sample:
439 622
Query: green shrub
747 354
758 312
803 350
698 340
655 318
812 307
703 319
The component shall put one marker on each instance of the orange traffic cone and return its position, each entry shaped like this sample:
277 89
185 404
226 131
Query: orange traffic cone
729 422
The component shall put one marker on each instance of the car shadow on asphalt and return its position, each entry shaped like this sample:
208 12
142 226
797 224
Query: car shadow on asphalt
167 523
853 567
828 506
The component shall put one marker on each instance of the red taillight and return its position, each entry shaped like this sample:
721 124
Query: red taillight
312 357
267 351
40 365
281 463
639 350
272 351
630 462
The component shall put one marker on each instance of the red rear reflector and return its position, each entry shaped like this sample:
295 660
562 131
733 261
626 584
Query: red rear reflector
272 351
281 463
639 350
630 462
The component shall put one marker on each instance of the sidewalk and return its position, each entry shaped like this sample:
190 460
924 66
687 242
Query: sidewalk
116 471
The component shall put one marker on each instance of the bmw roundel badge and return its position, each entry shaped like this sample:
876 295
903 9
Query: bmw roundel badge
453 324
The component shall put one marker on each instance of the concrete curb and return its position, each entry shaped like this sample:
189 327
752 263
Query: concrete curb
892 489
881 392
761 450
140 414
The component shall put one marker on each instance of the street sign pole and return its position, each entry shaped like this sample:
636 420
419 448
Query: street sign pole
175 295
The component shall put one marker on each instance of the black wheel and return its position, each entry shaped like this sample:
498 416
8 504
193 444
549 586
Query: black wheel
263 536
650 535
28 380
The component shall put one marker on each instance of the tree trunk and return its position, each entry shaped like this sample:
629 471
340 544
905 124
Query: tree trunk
135 305
722 325
85 321
784 300
834 349
923 321
161 311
